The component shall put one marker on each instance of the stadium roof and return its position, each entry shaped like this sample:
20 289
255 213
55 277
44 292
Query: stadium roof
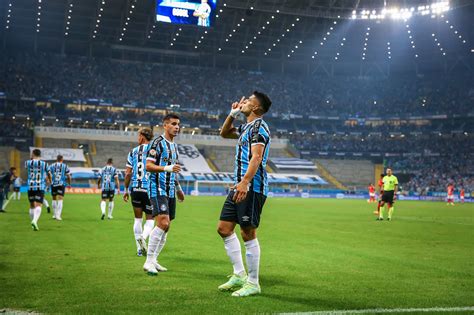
294 35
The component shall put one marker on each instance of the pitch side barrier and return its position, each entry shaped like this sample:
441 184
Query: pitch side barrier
323 194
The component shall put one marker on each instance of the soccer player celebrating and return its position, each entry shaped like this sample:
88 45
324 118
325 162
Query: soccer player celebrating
371 189
38 175
245 201
108 181
60 176
461 195
390 188
450 192
136 174
162 163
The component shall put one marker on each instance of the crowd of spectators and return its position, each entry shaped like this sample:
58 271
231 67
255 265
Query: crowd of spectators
74 77
433 174
212 90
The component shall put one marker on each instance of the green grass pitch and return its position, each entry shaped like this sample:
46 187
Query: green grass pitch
316 255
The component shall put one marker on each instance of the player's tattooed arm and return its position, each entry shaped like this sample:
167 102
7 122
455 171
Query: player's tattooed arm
128 176
117 183
242 187
228 130
179 191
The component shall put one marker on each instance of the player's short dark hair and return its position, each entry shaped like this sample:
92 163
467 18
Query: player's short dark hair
146 132
264 100
110 161
59 157
382 175
170 116
37 152
12 169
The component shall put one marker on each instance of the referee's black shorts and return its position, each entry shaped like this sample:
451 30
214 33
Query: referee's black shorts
388 196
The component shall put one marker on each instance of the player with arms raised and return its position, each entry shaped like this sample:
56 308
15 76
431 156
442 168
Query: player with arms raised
245 201
38 178
108 181
162 163
136 174
60 176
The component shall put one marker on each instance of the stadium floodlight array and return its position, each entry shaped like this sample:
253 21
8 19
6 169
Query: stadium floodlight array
412 40
325 38
455 32
395 13
389 51
266 24
38 24
151 31
288 30
366 44
68 19
129 16
200 40
438 44
175 37
9 16
340 46
99 17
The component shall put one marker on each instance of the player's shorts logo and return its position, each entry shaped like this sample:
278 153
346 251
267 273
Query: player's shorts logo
245 218
163 207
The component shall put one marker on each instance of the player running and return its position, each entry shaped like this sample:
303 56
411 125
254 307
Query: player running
60 176
461 195
108 181
371 189
38 177
450 191
245 201
162 163
390 188
136 173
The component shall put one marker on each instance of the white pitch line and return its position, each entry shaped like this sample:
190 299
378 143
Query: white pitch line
8 200
387 310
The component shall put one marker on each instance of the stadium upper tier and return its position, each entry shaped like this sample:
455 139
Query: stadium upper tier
136 84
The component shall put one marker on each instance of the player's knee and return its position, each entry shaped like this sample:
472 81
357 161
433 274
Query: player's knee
224 231
248 234
164 224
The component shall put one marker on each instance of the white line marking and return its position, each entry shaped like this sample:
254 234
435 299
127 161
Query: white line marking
8 200
388 310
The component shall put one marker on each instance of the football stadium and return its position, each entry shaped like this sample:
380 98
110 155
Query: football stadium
237 156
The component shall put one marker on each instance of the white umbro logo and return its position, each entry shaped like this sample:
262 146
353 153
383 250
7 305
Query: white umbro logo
245 218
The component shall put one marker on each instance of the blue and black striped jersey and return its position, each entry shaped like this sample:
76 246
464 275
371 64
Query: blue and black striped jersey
162 152
253 133
107 177
58 171
37 172
136 160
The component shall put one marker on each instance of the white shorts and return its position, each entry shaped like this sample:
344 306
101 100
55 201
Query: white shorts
372 194
462 197
450 196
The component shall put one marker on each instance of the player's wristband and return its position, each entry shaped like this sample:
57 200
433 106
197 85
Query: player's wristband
168 168
234 113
